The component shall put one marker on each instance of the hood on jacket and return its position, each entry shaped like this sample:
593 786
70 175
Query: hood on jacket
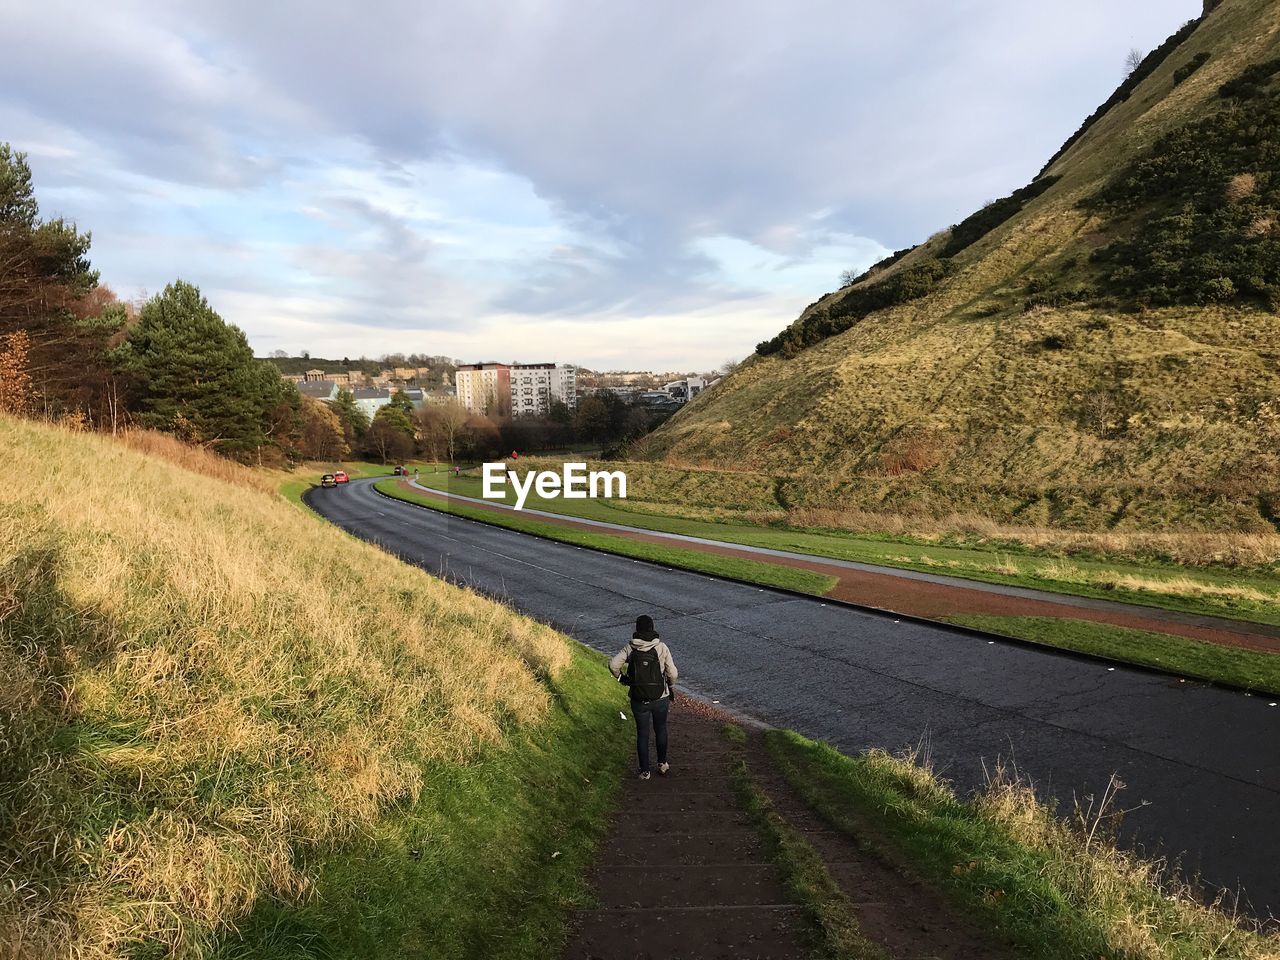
638 643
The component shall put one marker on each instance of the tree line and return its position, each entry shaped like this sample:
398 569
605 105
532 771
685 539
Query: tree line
71 351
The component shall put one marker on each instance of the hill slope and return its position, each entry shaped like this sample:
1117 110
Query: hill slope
207 692
1098 349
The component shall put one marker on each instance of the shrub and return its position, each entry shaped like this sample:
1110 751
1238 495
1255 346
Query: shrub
1178 241
1251 80
909 284
878 266
1080 293
976 226
1190 67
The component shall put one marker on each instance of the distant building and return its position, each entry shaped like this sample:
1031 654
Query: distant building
484 388
371 399
686 389
441 396
319 389
535 386
314 375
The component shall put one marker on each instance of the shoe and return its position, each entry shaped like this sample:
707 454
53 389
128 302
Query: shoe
644 774
664 768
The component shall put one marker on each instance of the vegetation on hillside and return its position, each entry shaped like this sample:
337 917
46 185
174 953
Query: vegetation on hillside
840 314
1058 889
206 695
1198 216
1128 86
1104 359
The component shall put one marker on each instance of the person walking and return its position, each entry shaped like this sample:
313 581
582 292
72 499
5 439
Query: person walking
651 675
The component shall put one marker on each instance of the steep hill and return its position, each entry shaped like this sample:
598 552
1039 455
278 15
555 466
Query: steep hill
1099 349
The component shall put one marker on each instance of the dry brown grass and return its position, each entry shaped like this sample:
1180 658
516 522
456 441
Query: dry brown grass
1186 548
1241 186
1140 909
1143 912
195 458
200 682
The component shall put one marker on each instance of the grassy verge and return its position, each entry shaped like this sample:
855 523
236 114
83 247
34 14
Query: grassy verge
1252 595
214 708
753 571
807 878
1057 892
1251 669
486 864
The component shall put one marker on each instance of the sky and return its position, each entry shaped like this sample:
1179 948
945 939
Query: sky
653 185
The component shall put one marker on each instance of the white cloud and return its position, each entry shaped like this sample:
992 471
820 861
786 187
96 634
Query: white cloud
643 181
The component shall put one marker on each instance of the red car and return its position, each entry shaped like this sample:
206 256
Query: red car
341 477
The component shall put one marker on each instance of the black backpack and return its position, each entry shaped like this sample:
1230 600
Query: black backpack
645 673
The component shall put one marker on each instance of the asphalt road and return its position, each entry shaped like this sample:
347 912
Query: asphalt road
1201 765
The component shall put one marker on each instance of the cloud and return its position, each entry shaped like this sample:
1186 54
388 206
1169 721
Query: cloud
451 171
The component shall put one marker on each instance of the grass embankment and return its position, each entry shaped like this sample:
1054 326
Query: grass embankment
218 713
1250 669
718 505
485 865
1058 891
752 571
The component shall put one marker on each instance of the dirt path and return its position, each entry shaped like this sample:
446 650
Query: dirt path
938 601
684 873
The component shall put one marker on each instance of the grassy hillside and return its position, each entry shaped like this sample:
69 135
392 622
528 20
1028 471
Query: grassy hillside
1097 351
214 707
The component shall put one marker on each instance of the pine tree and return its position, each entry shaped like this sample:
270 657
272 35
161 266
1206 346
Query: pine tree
193 374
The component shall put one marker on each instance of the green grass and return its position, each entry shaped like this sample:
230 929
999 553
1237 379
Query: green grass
807 878
1222 664
981 564
486 864
293 490
1010 865
752 571
1251 669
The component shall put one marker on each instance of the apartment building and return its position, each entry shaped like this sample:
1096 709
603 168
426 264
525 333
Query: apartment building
520 389
535 386
484 388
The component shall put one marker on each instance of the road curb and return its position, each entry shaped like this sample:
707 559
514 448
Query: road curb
866 608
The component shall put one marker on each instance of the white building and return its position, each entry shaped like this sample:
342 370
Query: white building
686 389
534 386
521 389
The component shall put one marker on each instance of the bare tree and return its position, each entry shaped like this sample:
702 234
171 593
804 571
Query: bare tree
1133 60
441 427
848 278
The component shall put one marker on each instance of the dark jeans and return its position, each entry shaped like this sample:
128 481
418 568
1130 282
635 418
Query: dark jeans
650 713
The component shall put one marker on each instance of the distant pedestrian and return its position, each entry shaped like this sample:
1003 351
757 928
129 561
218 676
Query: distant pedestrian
455 470
651 675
